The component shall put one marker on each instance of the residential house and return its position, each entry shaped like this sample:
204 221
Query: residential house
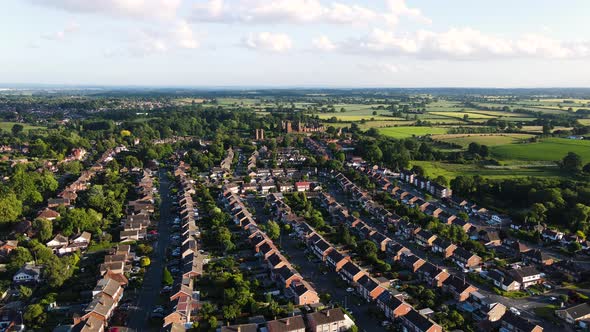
286 275
29 273
578 314
288 324
303 293
413 321
396 250
515 323
380 240
458 287
392 306
240 328
527 276
351 272
425 238
411 261
48 214
329 320
537 256
465 259
432 274
369 288
502 281
336 260
446 248
551 235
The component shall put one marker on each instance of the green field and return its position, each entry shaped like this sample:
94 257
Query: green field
484 139
409 131
450 171
7 126
550 149
460 115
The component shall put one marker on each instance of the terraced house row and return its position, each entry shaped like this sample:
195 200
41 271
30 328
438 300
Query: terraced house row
184 298
433 275
369 287
109 288
294 286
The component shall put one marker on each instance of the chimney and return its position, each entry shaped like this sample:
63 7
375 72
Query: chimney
288 321
328 313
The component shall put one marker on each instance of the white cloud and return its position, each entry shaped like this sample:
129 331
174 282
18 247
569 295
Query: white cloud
400 8
144 9
184 37
379 67
147 41
61 34
268 41
323 43
299 11
464 44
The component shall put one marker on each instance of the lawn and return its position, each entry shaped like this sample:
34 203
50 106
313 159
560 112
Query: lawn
550 149
485 139
7 126
409 131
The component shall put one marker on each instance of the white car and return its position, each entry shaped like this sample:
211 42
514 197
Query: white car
350 289
515 311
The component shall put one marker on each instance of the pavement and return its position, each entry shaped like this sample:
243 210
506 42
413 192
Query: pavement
152 281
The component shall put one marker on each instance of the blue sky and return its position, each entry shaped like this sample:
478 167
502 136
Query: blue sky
342 43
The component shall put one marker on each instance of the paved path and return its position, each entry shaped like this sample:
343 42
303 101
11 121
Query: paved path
148 295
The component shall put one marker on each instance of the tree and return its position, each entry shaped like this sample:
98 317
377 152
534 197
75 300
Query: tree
17 128
273 230
368 249
212 321
24 292
34 315
144 249
167 278
10 208
442 180
230 312
145 262
572 162
538 213
18 257
44 229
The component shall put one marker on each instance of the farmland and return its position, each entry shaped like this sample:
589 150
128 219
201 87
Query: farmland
409 131
450 171
484 139
7 126
550 149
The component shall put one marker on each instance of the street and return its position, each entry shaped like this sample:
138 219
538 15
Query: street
152 281
328 283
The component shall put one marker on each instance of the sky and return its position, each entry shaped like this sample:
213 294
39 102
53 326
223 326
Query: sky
296 43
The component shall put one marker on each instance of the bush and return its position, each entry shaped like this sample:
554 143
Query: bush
145 262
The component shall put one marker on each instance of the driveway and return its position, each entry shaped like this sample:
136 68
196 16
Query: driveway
152 281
